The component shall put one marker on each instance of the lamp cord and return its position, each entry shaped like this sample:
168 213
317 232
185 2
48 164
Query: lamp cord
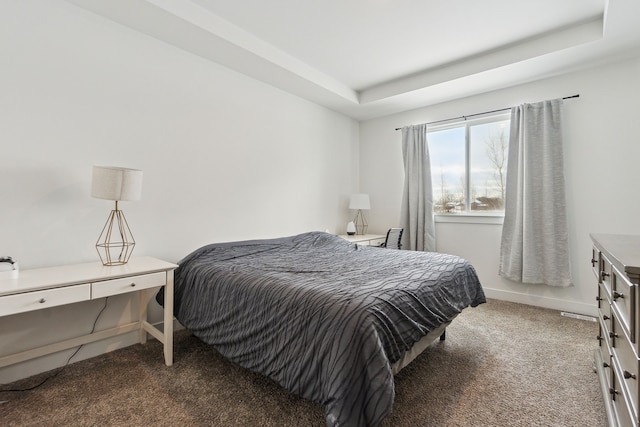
95 322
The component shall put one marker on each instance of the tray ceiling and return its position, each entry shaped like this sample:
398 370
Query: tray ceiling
367 58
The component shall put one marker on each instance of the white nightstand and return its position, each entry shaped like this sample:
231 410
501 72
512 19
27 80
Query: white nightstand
49 287
365 239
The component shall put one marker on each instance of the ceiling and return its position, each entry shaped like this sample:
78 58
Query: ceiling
368 58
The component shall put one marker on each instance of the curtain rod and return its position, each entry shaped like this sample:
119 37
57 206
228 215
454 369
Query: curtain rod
486 112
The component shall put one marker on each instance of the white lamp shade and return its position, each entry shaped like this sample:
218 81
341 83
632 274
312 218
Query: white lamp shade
359 201
115 183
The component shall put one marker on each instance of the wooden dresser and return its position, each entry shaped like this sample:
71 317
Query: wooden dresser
616 264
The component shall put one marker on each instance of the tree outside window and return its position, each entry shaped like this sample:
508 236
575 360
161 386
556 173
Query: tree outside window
468 165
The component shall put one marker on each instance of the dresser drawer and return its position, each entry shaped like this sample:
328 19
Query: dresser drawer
37 300
623 411
608 366
604 307
605 275
128 284
605 354
596 262
627 364
623 298
606 342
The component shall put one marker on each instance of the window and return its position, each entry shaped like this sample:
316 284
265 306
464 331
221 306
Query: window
469 165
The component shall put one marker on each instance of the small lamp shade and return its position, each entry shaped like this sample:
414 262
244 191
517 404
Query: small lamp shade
116 241
115 183
359 201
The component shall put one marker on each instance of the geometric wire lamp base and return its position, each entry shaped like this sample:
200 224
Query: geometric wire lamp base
115 243
361 223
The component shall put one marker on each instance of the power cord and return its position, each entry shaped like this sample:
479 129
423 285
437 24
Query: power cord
95 322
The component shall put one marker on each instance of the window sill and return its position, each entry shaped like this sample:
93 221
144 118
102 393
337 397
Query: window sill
470 219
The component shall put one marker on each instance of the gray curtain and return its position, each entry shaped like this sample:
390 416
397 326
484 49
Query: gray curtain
535 244
416 215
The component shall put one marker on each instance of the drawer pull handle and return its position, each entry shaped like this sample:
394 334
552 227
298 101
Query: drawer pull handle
42 301
133 285
613 335
604 274
605 317
628 375
598 299
613 391
605 365
617 295
593 262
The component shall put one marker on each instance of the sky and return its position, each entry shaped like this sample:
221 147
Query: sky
447 154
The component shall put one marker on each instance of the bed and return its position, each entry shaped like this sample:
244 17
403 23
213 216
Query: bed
329 320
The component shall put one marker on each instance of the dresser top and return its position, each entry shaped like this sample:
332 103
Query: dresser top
52 277
623 248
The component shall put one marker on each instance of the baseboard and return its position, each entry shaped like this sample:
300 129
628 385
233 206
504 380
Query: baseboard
540 301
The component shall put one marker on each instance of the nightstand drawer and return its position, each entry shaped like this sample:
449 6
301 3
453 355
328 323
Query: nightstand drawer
37 300
128 284
372 242
365 239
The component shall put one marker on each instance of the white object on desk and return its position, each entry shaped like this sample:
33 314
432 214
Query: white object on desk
365 239
8 268
49 287
351 229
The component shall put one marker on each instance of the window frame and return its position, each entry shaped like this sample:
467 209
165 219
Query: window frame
469 216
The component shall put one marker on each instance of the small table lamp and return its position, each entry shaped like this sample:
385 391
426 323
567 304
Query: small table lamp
360 202
116 243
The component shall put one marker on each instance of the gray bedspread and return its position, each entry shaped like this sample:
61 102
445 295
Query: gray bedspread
323 317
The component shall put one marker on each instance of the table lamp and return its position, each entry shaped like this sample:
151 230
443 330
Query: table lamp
360 202
116 242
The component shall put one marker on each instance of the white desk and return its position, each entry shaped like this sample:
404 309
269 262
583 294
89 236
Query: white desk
49 287
365 239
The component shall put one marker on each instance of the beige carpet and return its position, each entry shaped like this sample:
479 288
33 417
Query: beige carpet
502 364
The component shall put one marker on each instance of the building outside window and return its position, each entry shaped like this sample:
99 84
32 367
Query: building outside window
469 165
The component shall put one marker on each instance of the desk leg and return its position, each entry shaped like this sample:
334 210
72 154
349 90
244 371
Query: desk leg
168 320
143 301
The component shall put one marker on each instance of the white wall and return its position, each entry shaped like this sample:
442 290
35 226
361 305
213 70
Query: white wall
601 156
224 157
